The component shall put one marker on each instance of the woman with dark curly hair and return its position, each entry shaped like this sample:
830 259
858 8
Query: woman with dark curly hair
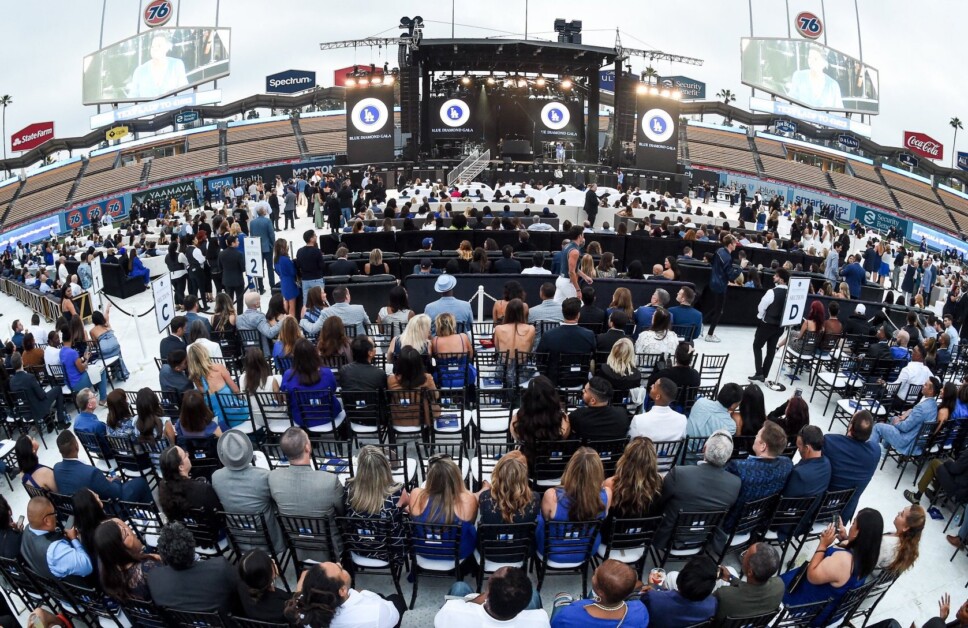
324 591
540 417
178 494
258 596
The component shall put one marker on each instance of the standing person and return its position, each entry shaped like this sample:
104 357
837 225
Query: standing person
232 262
287 276
176 262
723 273
274 209
591 204
310 264
832 265
567 283
289 210
929 275
195 257
768 330
261 228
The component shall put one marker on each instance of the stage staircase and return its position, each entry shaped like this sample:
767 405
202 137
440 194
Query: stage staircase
467 170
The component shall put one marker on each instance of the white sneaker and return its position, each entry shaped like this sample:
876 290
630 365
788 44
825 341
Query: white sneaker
712 338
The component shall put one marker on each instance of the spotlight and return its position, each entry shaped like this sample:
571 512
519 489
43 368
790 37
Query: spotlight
641 88
490 80
362 81
466 79
676 95
376 80
350 82
388 79
665 93
654 91
522 82
540 81
566 83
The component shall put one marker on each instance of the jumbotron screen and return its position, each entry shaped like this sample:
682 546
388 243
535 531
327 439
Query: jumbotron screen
810 74
156 63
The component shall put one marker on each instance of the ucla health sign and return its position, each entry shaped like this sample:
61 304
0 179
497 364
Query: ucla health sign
290 82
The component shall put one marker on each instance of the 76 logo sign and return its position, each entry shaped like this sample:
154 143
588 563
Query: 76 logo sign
158 13
809 25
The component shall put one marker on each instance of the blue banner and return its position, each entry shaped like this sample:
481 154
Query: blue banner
785 126
937 240
84 215
908 160
963 160
32 232
881 221
841 207
848 141
606 81
290 82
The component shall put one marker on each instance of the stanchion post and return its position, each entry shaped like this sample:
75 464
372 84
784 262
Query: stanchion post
480 304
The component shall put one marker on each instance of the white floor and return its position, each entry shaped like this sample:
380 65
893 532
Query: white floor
913 598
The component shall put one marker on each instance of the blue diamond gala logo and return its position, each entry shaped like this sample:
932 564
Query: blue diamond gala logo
555 116
455 113
658 126
369 115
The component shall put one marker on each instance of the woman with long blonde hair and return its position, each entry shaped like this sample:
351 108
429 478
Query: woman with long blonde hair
636 484
580 497
416 334
620 369
588 266
212 379
899 549
508 498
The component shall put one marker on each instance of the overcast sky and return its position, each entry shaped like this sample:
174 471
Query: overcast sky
917 46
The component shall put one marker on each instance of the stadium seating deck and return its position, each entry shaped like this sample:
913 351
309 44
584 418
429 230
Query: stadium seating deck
717 138
955 203
900 182
258 131
924 209
862 189
864 171
333 142
109 181
770 147
203 140
39 202
322 124
260 151
720 157
40 182
794 172
192 162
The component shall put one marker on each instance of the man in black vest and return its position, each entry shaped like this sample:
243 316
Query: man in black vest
768 330
232 263
50 553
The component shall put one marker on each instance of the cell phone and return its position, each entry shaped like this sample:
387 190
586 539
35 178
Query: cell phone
798 392
20 522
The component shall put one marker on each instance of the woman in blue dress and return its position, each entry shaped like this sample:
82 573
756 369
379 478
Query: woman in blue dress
579 498
287 275
213 379
138 268
444 500
835 570
309 374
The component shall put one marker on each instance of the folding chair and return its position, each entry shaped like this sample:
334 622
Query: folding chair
751 523
373 546
549 461
917 452
434 552
427 453
503 545
144 519
567 547
628 541
667 454
491 419
250 531
711 369
609 451
366 414
317 412
133 460
788 517
111 365
237 410
691 536
410 413
528 365
750 621
449 414
275 408
828 511
488 454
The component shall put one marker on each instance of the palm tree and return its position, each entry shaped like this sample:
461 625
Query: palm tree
955 124
5 101
650 75
727 95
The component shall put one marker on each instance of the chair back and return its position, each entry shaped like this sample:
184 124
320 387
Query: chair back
315 409
751 523
711 369
630 535
96 448
230 342
609 451
144 519
750 621
196 619
371 538
434 542
19 584
248 339
247 531
274 407
332 456
203 453
692 449
571 369
495 406
693 531
831 505
133 460
452 370
667 454
64 505
143 614
504 544
239 622
494 370
549 461
333 362
791 512
848 604
569 542
307 538
800 615
91 601
237 411
408 409
428 453
206 526
647 363
528 365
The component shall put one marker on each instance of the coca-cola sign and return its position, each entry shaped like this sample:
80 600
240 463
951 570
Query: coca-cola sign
923 145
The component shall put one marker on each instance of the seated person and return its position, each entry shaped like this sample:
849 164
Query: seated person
660 423
761 591
691 602
184 581
52 554
599 419
613 582
72 475
508 597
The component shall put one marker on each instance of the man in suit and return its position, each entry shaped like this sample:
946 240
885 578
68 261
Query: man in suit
186 583
299 489
261 228
172 377
253 318
232 263
289 209
590 314
644 313
697 488
591 203
811 476
72 475
342 266
853 459
685 315
902 431
507 264
616 331
768 330
567 338
274 209
242 487
175 338
880 350
928 277
854 275
39 401
191 314
348 313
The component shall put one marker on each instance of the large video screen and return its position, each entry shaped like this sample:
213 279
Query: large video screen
810 74
156 63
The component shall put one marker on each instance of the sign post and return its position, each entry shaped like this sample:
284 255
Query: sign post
164 302
97 280
793 310
253 257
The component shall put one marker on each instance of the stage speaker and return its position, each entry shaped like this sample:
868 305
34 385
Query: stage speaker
507 161
409 100
625 110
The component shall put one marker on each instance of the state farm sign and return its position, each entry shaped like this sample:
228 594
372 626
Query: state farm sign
32 136
923 145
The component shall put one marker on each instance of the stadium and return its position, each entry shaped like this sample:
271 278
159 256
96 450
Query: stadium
507 298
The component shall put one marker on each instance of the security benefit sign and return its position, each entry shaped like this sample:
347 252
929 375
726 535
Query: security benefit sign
557 121
453 117
369 124
164 301
657 133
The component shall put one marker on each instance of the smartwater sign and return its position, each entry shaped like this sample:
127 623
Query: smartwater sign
881 221
290 82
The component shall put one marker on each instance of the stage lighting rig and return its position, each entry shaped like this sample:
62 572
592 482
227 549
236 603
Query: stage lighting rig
568 32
